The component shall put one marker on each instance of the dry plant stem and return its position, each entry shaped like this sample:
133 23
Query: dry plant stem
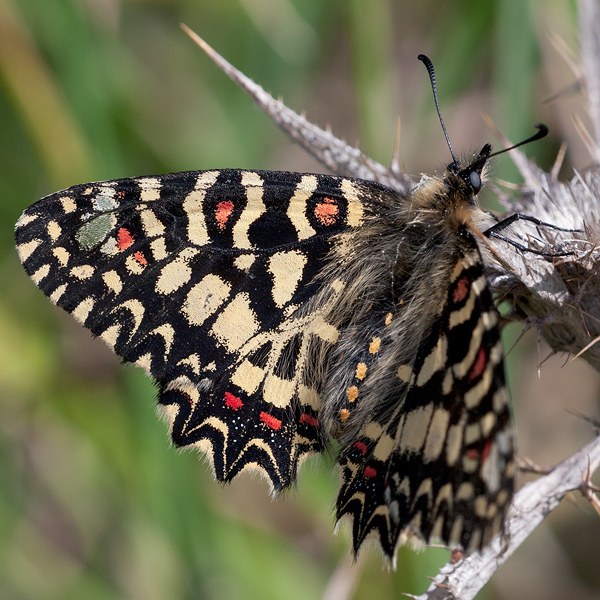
333 153
532 503
589 490
526 465
589 34
343 581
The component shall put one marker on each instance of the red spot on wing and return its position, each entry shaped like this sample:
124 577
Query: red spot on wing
461 290
486 451
361 446
223 212
304 418
233 401
475 454
370 472
124 239
327 211
270 420
140 258
478 366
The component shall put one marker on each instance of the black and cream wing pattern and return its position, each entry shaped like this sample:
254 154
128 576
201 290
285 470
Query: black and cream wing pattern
282 312
200 278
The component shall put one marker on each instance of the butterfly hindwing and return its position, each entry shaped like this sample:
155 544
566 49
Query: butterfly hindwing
438 464
198 277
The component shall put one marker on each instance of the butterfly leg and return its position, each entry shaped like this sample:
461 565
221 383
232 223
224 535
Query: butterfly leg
506 222
494 231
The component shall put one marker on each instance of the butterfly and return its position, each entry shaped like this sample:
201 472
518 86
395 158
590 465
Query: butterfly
282 313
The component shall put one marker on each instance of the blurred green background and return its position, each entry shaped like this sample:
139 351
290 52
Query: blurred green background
94 503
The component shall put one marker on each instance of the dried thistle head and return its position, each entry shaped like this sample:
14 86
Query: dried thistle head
560 295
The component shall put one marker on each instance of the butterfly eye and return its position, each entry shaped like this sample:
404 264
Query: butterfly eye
475 181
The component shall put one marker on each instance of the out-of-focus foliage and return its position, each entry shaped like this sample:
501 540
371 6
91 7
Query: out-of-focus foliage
94 503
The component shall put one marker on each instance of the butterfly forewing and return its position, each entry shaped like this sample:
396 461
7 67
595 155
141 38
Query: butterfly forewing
201 278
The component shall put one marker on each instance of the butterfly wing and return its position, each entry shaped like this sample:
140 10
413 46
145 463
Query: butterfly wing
438 463
198 277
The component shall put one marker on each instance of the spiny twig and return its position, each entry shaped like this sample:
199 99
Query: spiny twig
533 502
333 153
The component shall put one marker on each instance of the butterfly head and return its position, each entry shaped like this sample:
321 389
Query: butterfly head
466 178
469 177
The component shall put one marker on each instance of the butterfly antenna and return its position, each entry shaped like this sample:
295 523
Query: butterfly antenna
429 65
542 133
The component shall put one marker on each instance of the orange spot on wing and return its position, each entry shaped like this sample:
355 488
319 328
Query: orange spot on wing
327 212
461 290
352 393
270 420
223 212
474 453
233 401
140 258
124 239
361 371
374 345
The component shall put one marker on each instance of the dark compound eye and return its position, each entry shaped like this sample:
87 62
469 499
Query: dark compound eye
475 181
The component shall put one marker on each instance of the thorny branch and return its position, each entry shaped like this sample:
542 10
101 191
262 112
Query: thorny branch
533 502
560 295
